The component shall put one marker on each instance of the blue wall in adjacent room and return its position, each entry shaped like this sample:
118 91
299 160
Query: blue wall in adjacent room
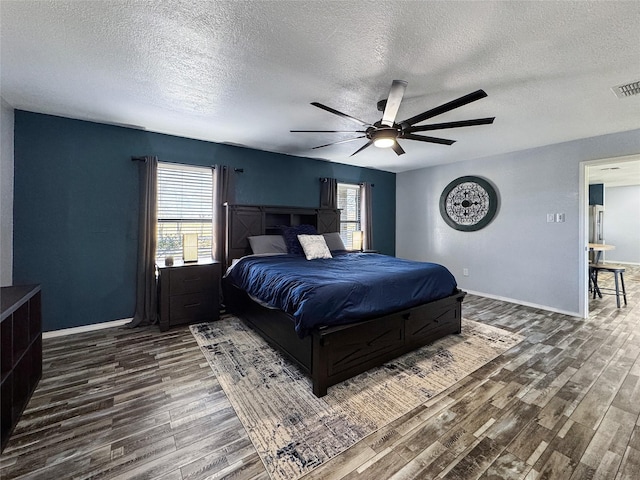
75 206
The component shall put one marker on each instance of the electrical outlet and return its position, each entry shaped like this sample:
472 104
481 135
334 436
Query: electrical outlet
465 272
551 218
560 217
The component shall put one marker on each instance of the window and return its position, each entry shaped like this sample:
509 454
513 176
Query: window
185 205
349 205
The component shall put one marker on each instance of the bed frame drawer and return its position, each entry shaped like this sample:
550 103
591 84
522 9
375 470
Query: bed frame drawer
344 351
366 341
422 326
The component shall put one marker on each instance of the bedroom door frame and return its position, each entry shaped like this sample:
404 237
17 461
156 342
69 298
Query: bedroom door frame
583 238
583 228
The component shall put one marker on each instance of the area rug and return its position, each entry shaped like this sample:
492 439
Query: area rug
292 430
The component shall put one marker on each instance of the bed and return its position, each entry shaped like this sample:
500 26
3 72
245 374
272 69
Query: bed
338 342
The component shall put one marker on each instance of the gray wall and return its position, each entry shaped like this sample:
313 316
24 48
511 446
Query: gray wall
622 223
6 194
519 256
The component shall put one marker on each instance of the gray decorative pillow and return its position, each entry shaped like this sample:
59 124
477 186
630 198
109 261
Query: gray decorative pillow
334 241
314 246
267 244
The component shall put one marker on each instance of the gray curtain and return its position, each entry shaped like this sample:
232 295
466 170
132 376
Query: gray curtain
366 215
146 290
223 192
328 193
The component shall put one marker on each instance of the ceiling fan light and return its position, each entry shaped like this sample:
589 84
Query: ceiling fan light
384 142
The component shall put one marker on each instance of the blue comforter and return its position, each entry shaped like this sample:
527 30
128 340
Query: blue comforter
342 289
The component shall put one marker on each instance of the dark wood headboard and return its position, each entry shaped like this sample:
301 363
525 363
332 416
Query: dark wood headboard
244 221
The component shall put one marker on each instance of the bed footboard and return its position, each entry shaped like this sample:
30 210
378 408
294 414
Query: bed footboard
333 354
342 352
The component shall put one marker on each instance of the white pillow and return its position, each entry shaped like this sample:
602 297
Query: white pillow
314 246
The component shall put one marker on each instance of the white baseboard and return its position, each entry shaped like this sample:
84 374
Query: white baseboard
85 328
519 302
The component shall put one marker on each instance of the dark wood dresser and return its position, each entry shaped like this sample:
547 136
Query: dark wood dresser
21 354
189 293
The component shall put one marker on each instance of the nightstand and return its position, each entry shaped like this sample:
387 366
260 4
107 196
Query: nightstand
188 293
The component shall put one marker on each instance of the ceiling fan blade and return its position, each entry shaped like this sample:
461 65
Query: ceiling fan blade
461 123
336 143
328 131
340 114
368 144
397 148
393 102
459 102
421 138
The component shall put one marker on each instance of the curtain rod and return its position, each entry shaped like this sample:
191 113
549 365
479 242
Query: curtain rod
144 159
326 179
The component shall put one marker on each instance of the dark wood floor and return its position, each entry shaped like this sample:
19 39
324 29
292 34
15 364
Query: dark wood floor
563 404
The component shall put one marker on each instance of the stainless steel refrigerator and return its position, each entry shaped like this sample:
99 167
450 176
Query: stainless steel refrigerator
596 224
596 227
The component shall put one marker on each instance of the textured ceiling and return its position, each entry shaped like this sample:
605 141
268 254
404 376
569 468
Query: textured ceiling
244 72
618 172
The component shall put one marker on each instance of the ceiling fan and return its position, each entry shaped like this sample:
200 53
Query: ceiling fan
386 132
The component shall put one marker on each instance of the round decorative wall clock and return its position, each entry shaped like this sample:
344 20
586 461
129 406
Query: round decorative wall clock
468 203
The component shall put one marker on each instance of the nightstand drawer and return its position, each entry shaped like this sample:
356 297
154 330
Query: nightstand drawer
192 279
194 306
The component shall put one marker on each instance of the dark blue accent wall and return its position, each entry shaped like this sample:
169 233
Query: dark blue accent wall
76 196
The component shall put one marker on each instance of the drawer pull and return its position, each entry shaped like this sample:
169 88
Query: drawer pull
191 305
195 279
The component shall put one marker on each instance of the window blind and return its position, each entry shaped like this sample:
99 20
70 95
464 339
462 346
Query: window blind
349 205
185 205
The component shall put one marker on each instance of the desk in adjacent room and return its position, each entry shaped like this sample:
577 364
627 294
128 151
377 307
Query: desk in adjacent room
598 248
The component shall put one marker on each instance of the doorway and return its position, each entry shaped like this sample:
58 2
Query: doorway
612 172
